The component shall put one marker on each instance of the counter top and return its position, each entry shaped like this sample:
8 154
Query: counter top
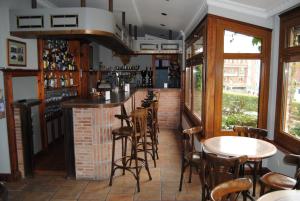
116 99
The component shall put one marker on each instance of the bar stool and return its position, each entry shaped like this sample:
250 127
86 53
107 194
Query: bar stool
135 132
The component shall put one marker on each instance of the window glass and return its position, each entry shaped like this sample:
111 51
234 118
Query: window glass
188 52
198 45
291 92
188 87
197 89
240 100
233 41
294 36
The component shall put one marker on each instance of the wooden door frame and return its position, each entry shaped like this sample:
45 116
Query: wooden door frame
8 74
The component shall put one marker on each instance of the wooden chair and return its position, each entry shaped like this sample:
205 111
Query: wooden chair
216 170
136 131
254 165
190 157
231 190
278 181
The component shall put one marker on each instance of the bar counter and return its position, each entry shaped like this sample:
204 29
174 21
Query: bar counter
90 122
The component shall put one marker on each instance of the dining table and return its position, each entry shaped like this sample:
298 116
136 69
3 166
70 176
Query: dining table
282 195
235 146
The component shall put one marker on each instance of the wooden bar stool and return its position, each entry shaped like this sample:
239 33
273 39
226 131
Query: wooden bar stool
135 132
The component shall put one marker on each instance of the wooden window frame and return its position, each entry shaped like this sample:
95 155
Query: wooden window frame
194 60
264 34
286 54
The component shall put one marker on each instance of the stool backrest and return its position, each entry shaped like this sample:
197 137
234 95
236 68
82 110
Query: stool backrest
230 190
139 121
293 159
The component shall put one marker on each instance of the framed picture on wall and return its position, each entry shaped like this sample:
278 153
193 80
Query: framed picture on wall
16 53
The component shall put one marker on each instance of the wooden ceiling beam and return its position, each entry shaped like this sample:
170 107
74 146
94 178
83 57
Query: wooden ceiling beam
135 32
111 5
123 19
82 3
33 3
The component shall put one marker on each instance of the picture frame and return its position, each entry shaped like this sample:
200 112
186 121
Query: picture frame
16 53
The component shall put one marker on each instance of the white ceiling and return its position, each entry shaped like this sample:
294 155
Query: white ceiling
181 14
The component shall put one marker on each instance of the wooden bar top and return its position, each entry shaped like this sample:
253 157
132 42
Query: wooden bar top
116 99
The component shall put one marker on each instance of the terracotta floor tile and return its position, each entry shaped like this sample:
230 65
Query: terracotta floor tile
163 186
119 197
70 193
99 196
36 196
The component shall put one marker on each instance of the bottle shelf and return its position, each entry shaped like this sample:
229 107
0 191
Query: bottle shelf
60 71
60 88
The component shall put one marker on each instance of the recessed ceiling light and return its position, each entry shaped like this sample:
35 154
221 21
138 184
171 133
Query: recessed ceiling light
164 14
163 25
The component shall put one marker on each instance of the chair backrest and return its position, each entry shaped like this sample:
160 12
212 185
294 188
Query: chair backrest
188 138
139 122
241 130
230 190
297 186
219 169
257 133
156 95
292 159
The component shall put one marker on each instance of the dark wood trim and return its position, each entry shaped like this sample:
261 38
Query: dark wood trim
82 3
111 5
8 75
33 3
286 54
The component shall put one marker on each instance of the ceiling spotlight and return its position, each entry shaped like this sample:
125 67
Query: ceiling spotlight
164 14
163 25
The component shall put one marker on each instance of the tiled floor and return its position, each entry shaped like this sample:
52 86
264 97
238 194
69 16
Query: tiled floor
163 186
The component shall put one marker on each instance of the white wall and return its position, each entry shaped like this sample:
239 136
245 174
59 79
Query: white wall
31 92
4 151
108 59
5 5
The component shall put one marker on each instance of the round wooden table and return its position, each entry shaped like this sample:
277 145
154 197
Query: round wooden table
253 148
283 195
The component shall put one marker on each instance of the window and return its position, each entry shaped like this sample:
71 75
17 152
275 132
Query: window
239 98
188 87
291 103
240 94
287 118
197 89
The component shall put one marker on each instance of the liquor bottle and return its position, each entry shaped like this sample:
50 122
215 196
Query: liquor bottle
45 81
55 81
67 81
62 81
71 80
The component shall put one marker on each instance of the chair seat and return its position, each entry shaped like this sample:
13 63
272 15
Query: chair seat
124 131
278 181
194 157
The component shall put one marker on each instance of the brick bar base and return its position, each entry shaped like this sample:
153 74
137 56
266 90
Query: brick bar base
93 126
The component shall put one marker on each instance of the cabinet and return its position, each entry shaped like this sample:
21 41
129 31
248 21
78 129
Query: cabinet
62 71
